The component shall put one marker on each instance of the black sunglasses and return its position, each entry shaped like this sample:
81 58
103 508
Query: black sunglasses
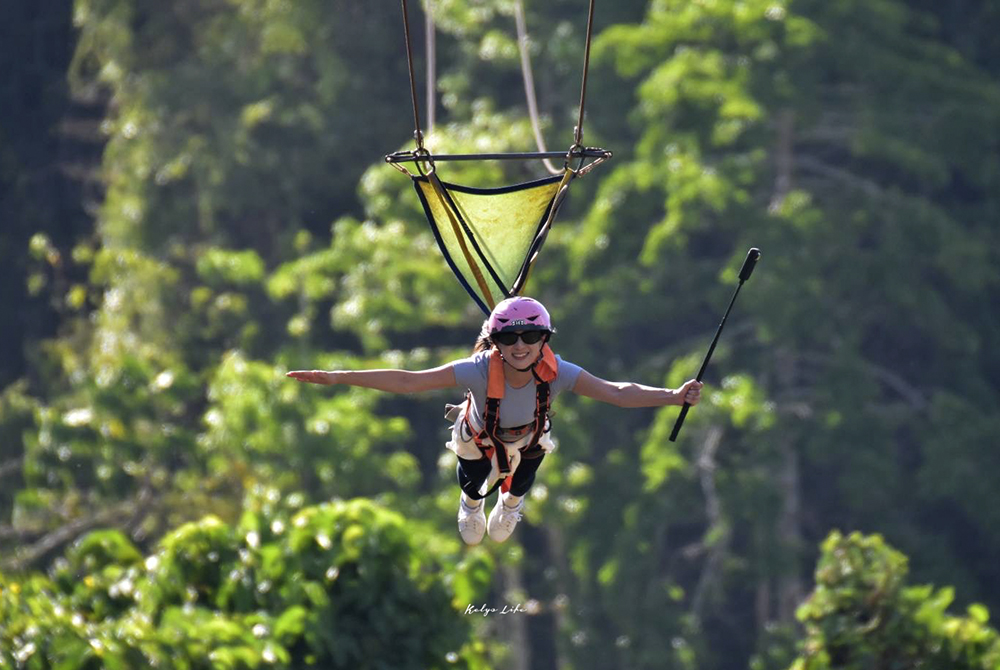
530 337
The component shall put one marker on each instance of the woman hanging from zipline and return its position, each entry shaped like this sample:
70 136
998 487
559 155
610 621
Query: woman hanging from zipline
511 379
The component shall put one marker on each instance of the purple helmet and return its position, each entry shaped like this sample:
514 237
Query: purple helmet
519 313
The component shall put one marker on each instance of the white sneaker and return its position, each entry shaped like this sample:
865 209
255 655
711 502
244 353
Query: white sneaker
471 522
503 519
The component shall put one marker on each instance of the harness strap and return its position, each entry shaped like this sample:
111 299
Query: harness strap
495 388
544 371
541 410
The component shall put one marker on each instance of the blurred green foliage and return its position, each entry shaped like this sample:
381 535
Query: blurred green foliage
227 217
863 615
338 585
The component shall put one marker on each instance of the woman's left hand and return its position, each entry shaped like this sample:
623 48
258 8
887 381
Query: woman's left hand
690 392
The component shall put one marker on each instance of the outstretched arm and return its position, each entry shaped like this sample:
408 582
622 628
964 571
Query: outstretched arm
628 394
393 381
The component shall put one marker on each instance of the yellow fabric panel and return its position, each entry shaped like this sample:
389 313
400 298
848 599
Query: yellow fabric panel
504 223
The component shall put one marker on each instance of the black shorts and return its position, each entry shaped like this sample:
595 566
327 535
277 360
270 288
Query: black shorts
472 474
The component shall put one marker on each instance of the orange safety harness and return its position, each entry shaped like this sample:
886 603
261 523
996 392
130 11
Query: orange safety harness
544 371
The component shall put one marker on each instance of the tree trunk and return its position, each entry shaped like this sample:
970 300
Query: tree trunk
789 529
762 604
515 626
557 549
716 553
784 162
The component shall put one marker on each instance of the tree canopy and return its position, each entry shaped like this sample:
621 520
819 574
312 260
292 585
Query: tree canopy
193 201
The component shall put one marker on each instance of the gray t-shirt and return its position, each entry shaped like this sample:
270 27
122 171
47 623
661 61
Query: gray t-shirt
518 405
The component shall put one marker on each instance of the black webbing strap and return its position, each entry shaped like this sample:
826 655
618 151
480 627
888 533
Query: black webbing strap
542 391
491 421
417 134
543 232
491 424
578 131
475 495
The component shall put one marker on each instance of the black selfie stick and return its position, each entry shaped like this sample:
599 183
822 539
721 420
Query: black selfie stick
748 265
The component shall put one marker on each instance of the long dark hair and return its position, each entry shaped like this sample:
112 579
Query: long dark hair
483 341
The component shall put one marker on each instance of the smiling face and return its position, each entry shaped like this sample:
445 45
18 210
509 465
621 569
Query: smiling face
520 354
